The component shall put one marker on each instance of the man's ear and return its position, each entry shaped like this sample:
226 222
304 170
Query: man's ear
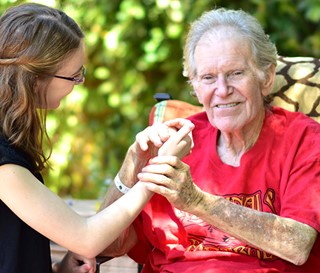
269 80
198 97
195 91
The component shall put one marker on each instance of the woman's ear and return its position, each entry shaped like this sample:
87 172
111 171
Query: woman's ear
36 84
269 80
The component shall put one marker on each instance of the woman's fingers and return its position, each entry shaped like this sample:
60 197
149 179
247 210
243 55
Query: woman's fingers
171 138
156 134
178 123
179 143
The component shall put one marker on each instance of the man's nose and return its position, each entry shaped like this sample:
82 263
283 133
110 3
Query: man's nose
222 88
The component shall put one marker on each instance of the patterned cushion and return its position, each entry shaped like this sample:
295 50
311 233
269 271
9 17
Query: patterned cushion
297 85
296 88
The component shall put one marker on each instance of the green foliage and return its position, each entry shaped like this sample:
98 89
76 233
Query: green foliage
134 50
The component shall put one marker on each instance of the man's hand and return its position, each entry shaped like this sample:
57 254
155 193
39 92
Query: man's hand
170 177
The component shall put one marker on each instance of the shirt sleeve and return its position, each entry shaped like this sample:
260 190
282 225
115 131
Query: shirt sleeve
301 192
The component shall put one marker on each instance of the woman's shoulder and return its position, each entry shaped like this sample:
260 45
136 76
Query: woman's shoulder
7 151
9 154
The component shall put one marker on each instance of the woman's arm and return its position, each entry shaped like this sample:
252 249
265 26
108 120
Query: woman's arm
45 212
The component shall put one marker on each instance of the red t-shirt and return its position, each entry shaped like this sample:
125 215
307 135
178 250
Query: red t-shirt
279 174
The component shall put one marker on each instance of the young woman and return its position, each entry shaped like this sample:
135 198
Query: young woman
41 60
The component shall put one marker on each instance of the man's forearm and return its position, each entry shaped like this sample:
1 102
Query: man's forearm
131 166
283 237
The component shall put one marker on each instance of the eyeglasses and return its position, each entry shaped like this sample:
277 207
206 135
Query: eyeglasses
77 79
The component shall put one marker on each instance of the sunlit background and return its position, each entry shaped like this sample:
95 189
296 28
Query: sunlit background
134 50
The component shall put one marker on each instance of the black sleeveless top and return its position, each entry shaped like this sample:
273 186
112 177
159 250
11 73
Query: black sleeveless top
22 249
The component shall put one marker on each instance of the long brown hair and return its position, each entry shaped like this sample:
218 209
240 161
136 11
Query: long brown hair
34 41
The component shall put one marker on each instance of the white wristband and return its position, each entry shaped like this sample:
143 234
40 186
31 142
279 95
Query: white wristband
120 186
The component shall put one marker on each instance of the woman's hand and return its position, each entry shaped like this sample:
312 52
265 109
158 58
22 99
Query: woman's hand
180 142
172 137
74 263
